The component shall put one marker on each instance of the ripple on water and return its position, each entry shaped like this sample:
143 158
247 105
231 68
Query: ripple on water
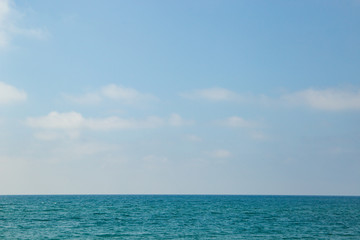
174 217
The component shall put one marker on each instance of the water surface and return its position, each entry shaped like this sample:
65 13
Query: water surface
179 217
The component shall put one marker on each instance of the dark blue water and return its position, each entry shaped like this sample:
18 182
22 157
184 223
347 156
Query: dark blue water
179 217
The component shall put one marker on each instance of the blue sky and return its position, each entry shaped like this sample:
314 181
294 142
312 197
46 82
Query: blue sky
180 97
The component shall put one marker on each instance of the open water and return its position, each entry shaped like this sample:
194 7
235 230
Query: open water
179 217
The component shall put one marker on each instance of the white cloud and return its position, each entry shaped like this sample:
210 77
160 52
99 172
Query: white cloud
193 138
238 122
9 94
126 95
212 94
47 135
91 148
114 92
121 123
221 153
328 99
74 120
39 34
258 136
55 120
9 28
4 22
88 98
176 120
53 134
70 123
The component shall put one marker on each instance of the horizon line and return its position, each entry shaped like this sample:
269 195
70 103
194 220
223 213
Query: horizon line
182 194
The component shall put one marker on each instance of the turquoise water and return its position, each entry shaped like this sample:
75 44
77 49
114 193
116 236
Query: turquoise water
179 217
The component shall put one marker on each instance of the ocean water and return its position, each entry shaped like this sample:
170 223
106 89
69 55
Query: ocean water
179 217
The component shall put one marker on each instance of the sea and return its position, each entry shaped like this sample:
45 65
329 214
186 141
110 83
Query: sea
179 217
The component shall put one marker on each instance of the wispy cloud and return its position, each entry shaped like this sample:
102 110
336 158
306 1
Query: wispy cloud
55 120
220 153
193 138
88 98
117 123
176 120
328 99
127 95
54 134
124 95
72 122
238 122
251 127
4 18
212 94
9 28
10 94
258 136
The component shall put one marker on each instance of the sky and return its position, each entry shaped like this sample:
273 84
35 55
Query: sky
180 97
